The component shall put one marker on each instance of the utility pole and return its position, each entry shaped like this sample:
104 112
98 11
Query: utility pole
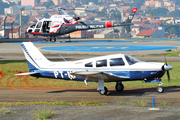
20 36
12 28
5 25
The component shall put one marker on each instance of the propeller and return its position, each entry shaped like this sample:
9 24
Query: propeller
168 75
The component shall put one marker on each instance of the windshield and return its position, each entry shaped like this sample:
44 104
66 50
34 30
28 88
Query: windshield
131 60
33 25
63 12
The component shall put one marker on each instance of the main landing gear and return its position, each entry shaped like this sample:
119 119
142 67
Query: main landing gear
101 88
160 89
119 87
52 38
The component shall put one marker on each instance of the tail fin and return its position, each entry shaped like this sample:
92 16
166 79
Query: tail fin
34 57
129 19
131 16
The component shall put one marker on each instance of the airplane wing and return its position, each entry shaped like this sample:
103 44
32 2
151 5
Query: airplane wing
28 73
92 76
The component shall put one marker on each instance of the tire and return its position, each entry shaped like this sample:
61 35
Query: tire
160 89
119 87
105 91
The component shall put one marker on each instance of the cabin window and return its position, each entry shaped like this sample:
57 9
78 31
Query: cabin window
101 63
89 64
131 60
39 25
117 62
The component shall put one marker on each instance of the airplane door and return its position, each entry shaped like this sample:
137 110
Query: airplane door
38 27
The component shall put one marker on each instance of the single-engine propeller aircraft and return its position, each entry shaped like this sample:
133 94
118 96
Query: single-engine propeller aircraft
111 68
64 24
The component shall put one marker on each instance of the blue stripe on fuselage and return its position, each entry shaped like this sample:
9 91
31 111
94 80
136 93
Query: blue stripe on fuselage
133 75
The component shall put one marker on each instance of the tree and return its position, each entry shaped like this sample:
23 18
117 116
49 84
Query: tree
147 22
138 3
48 4
103 13
46 15
160 12
175 13
115 15
172 29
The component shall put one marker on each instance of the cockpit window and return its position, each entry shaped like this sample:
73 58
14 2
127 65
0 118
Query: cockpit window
117 62
89 64
33 25
131 60
101 63
39 25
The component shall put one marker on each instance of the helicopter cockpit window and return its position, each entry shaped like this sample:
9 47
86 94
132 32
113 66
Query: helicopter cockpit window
131 60
63 12
33 25
101 63
117 62
39 25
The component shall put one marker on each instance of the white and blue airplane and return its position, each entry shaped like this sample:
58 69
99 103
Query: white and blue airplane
111 68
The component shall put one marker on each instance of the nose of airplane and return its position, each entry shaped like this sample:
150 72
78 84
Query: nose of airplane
167 67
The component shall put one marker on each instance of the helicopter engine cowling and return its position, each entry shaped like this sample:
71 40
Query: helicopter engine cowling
78 18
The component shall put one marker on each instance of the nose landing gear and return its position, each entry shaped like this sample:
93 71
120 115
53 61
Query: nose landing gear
160 89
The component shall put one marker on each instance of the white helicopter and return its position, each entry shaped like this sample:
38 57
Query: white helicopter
64 24
112 68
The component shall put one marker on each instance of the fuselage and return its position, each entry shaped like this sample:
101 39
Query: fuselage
119 65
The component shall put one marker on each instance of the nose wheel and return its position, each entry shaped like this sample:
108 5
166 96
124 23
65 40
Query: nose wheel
160 89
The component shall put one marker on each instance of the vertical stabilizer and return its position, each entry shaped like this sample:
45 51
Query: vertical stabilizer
34 57
131 16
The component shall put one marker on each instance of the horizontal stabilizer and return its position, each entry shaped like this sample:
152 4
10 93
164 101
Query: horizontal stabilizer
28 73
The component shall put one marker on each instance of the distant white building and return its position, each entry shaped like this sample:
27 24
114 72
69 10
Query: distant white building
11 10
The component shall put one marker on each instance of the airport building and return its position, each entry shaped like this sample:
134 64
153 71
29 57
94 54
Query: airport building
28 3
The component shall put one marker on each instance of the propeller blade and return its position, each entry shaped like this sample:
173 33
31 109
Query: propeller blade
165 59
168 75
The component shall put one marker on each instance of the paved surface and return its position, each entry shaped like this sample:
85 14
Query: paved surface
12 94
12 52
112 111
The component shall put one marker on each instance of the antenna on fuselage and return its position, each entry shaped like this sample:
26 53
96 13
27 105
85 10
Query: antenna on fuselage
62 58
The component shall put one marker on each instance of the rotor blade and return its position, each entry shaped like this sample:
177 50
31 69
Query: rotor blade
168 75
85 10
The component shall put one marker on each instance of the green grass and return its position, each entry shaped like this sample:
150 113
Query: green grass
10 80
141 102
173 54
5 110
43 112
83 103
165 103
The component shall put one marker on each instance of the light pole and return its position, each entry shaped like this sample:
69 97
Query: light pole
12 28
20 21
5 25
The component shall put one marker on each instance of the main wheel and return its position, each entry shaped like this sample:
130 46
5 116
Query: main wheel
160 89
54 39
103 92
119 87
